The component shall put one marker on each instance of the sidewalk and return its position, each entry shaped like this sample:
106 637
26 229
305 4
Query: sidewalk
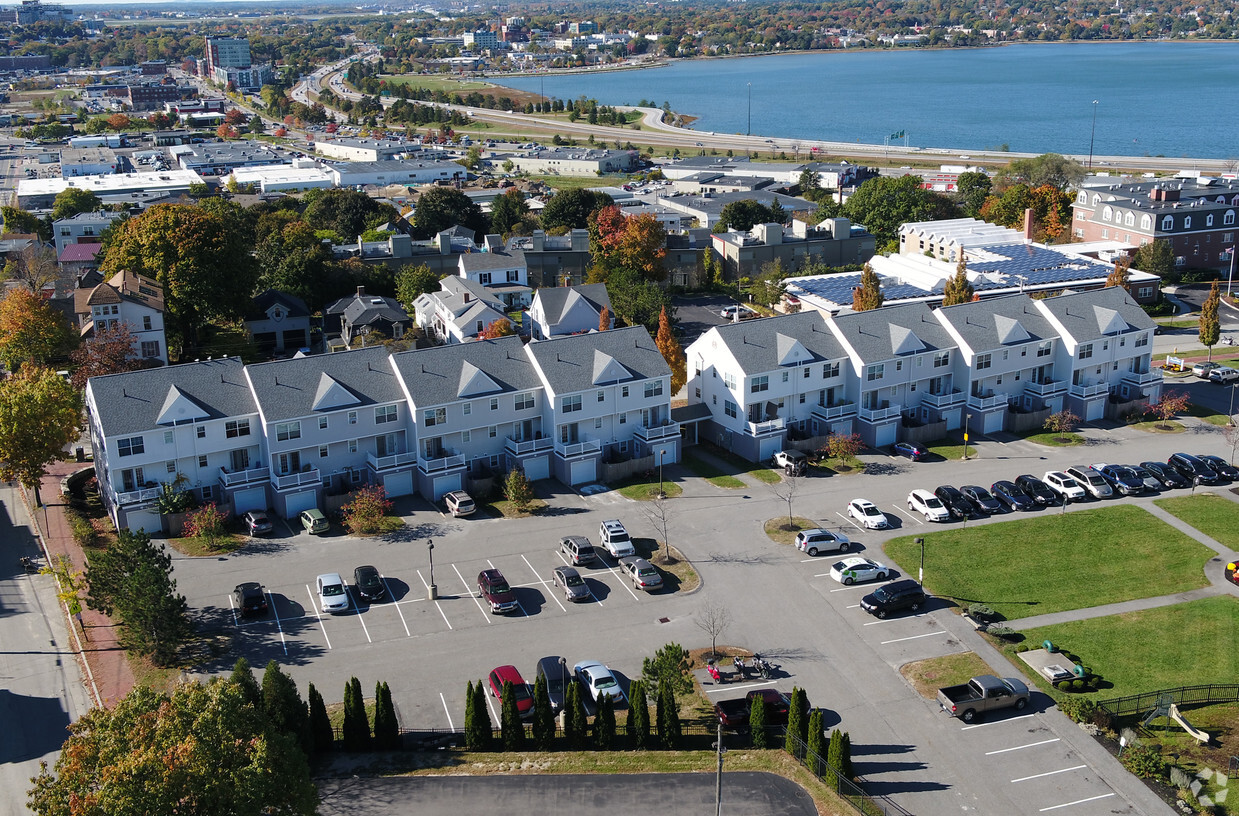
105 666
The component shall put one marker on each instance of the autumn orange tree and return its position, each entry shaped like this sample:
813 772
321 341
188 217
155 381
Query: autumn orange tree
868 295
1168 407
618 242
40 415
502 327
109 351
604 319
670 349
1119 277
30 330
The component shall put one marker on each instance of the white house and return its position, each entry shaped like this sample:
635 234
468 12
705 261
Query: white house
129 299
458 312
502 270
559 310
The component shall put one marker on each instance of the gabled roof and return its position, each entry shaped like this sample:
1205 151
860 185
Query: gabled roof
123 286
571 363
755 344
992 324
483 261
293 305
302 386
892 331
436 376
366 309
77 253
558 301
142 401
1097 313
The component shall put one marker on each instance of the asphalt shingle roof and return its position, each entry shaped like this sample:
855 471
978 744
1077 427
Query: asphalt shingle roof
434 376
570 364
131 403
763 345
555 298
289 389
1097 313
892 331
989 324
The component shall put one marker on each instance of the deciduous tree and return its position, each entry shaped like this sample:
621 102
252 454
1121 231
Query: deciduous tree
957 288
868 295
1171 404
500 327
635 244
108 351
35 266
1119 276
207 525
73 201
1210 326
40 415
971 190
365 512
440 208
412 281
713 619
518 490
20 222
570 209
1048 168
634 299
604 319
743 215
508 211
1156 258
30 330
243 676
670 349
1061 423
884 204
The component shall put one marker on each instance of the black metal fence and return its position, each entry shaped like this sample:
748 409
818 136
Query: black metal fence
1183 695
849 791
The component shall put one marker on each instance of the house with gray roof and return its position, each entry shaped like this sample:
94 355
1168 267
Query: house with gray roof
458 312
278 323
194 422
476 409
356 316
500 269
609 395
332 422
770 380
560 310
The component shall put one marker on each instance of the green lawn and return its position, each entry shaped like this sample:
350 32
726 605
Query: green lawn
1207 414
640 488
1182 645
713 475
755 469
783 531
1210 513
435 83
949 449
1054 562
1055 440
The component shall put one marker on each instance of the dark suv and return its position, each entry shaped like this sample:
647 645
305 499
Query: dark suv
892 597
494 589
1193 469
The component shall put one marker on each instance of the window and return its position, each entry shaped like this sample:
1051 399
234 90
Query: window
492 431
146 322
352 417
570 404
484 279
1129 220
1086 351
830 370
322 451
802 399
467 408
1167 223
466 437
322 423
287 430
806 372
201 431
654 388
942 358
1141 341
131 446
1209 220
983 362
875 372
784 376
1187 222
1005 354
729 408
1107 213
1044 349
241 427
624 391
1146 222
597 423
602 396
207 493
494 403
525 401
170 467
899 365
761 383
1228 218
624 417
434 416
1144 292
729 380
384 414
167 437
202 461
513 276
352 446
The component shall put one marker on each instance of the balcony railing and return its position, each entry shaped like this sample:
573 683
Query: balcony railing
308 476
139 495
837 411
450 462
941 401
770 426
589 446
378 463
987 403
528 446
1090 391
1144 377
669 430
1049 388
235 478
880 414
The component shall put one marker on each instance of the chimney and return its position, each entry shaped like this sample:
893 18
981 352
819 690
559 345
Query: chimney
1028 224
361 290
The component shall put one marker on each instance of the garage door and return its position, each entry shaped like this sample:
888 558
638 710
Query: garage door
147 520
398 484
445 484
767 448
884 435
298 502
584 471
1095 409
253 498
993 422
539 467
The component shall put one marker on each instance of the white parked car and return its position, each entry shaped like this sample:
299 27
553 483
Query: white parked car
818 540
331 594
1223 375
1204 367
597 680
867 514
857 570
928 505
1064 485
615 539
730 312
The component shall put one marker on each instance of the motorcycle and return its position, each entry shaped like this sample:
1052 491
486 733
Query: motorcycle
738 665
762 667
713 671
28 564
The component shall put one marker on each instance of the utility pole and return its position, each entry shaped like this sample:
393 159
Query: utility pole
1092 135
749 129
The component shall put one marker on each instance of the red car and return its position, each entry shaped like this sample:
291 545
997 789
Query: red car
509 674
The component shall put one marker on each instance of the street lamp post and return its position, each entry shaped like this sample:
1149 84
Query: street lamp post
718 775
749 130
1230 278
920 576
662 494
967 417
1092 135
432 591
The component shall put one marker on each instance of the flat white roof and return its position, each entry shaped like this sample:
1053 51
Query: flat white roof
110 184
281 173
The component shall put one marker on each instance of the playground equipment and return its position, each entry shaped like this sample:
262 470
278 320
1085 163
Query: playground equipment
1166 708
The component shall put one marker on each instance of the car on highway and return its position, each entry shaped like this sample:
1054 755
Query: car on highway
1010 496
817 540
597 680
1224 375
257 522
1168 477
369 583
981 498
615 539
571 583
520 692
643 575
332 596
857 570
1225 470
928 505
956 502
495 591
867 514
1120 478
578 550
1203 368
555 670
1193 469
1065 486
459 503
1091 481
792 461
893 597
912 450
314 522
249 599
1036 489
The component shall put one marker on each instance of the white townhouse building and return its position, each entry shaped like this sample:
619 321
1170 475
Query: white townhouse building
476 409
560 310
1106 351
501 270
151 427
766 380
610 396
458 312
331 423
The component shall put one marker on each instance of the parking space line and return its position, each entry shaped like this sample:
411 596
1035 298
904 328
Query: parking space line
737 688
889 620
448 712
518 603
544 583
468 592
849 521
490 703
853 606
996 722
396 604
914 637
357 609
1021 747
314 606
275 613
437 606
1049 773
623 580
236 621
909 515
844 588
1077 802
